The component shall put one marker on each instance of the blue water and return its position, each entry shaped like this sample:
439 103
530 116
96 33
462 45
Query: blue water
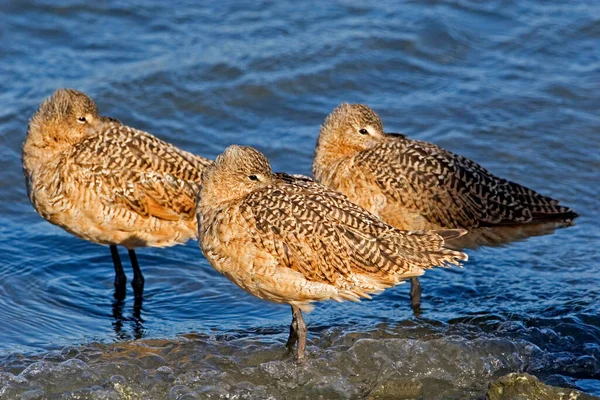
512 85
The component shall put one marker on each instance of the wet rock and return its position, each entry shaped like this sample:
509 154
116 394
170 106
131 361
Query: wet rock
73 365
165 373
126 392
55 356
36 394
118 379
521 386
35 369
15 363
179 391
70 352
216 392
365 366
397 389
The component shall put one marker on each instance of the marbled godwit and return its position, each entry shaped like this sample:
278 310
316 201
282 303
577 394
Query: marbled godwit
290 240
412 184
108 183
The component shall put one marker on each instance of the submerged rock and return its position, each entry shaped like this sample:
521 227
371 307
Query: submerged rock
521 386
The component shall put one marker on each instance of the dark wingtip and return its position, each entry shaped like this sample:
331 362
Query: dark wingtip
564 215
572 214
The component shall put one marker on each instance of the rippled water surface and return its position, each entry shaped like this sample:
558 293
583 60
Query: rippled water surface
513 85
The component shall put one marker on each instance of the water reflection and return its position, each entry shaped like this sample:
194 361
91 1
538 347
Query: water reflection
136 322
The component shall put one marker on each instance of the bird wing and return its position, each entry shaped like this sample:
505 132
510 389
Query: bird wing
451 190
136 171
321 234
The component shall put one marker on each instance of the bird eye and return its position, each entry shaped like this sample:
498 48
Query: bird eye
81 120
363 131
253 177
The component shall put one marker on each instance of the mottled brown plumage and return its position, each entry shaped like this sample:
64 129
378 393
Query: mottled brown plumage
106 182
290 240
412 184
419 185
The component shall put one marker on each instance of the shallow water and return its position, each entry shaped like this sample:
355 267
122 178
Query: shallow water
511 85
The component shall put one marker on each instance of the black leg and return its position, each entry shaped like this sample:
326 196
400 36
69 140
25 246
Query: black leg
300 332
120 278
415 294
138 279
293 338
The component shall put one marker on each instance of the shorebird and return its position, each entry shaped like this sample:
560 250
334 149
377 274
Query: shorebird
108 183
412 184
290 240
